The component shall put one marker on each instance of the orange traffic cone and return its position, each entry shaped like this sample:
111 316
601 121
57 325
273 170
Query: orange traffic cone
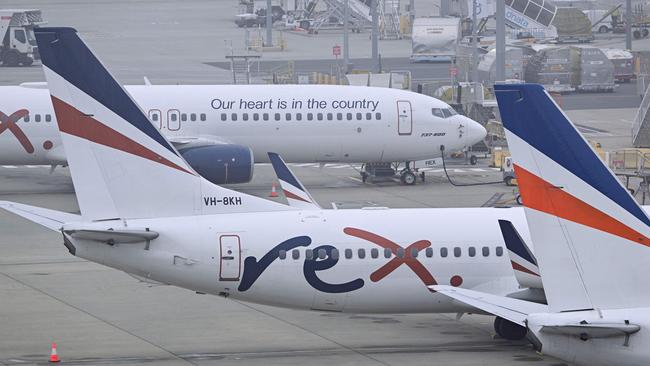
54 357
274 193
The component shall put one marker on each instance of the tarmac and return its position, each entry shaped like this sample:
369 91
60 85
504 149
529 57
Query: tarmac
100 316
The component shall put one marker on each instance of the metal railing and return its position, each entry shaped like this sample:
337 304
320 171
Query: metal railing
643 108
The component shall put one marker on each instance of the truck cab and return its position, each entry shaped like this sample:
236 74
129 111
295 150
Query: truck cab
18 44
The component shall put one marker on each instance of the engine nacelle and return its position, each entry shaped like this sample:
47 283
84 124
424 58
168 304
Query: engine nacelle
221 163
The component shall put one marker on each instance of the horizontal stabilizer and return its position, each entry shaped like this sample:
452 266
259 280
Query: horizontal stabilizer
113 236
51 219
513 310
296 194
593 330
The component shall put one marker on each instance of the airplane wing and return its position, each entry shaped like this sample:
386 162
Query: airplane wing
297 195
51 219
181 142
511 309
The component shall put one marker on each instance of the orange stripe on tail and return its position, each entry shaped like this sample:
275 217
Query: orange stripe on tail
540 195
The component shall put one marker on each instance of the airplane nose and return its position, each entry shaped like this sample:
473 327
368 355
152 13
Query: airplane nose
475 132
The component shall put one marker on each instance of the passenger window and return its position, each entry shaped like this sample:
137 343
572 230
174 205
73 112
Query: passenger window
335 253
256 117
26 119
277 116
457 252
374 252
330 116
183 117
368 116
298 116
245 117
295 254
319 116
310 116
414 253
322 254
443 252
361 253
224 116
339 116
265 116
203 117
282 254
429 252
472 252
486 251
233 117
400 253
193 117
288 116
174 117
437 112
348 253
48 118
378 116
349 116
37 118
387 253
499 251
359 116
309 254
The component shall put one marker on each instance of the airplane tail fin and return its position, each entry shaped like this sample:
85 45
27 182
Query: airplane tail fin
297 195
121 165
523 261
591 237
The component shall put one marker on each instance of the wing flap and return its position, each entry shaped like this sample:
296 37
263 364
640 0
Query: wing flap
593 330
113 236
511 309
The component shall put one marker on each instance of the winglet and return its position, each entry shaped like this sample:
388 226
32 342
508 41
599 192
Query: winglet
296 194
522 259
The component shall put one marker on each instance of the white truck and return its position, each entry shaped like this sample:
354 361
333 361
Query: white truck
17 41
434 39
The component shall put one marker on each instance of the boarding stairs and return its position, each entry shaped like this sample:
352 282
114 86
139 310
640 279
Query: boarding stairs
641 126
240 65
359 14
389 14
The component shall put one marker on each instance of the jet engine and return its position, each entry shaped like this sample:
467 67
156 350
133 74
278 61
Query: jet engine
220 163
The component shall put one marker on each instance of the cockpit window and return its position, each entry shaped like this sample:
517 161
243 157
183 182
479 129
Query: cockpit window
437 112
453 111
447 113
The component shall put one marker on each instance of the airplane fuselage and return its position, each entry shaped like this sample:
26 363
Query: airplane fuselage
303 123
363 261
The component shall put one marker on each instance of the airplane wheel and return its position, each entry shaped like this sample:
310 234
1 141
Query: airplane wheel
508 181
364 176
408 178
473 160
422 175
518 199
644 32
509 330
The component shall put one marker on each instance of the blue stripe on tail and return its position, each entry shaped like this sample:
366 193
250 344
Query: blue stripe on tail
63 52
283 171
514 242
528 112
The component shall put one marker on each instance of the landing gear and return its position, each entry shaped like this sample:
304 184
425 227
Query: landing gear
407 177
509 330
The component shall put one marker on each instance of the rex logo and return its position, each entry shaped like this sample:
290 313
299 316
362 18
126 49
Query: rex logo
9 123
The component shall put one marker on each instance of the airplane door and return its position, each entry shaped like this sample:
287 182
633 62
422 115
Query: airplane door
173 120
155 116
404 118
230 263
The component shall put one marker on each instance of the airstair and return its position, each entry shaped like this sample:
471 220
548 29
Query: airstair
240 65
359 14
641 126
389 14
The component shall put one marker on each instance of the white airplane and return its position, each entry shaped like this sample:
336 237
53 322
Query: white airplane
591 240
145 211
221 130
